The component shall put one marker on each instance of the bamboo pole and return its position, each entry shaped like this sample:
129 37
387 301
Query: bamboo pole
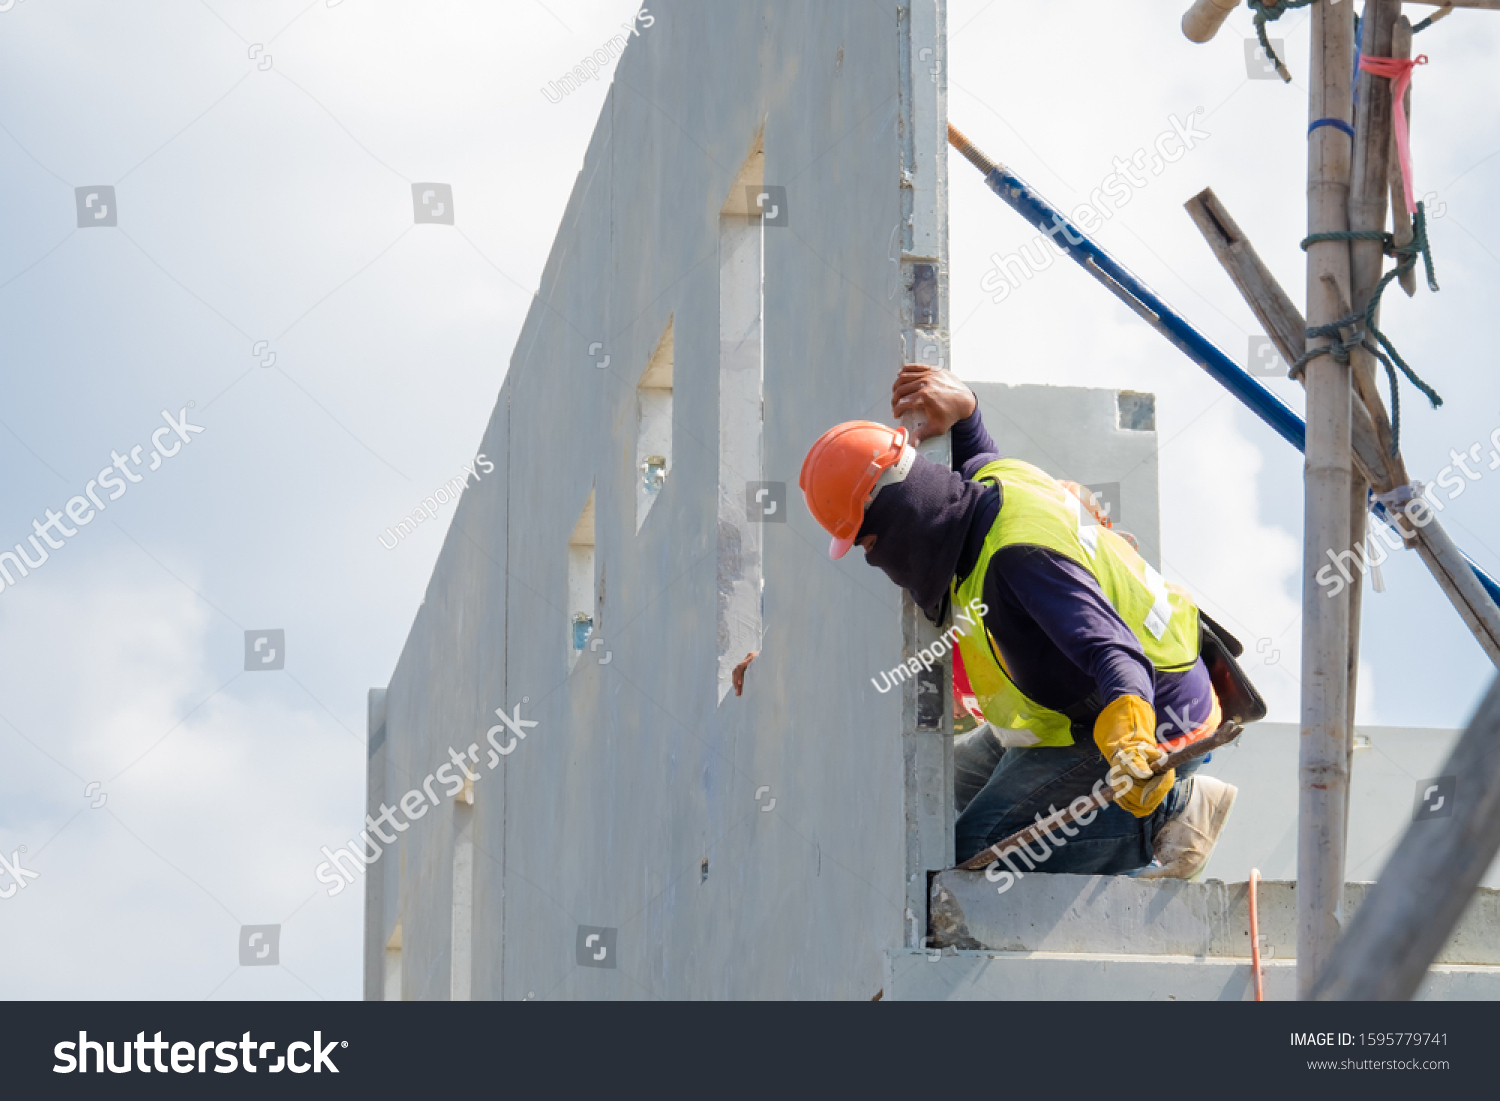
1452 571
1203 20
1328 479
1429 880
1272 306
1400 219
1374 153
1367 200
1359 525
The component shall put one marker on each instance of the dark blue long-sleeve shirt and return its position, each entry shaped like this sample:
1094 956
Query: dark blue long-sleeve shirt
1060 638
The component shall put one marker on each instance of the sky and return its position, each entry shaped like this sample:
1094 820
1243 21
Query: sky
257 273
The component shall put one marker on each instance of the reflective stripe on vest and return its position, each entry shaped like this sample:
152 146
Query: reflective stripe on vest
1038 511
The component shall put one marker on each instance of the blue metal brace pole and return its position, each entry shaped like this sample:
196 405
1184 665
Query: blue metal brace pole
1124 285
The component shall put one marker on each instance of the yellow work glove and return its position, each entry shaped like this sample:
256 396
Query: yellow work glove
1125 733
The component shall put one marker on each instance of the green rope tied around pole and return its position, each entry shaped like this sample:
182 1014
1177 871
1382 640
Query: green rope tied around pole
1268 11
1406 259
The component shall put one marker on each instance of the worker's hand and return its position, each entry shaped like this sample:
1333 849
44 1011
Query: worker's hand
1125 733
934 394
738 676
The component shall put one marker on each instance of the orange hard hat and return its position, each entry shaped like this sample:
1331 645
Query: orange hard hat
845 468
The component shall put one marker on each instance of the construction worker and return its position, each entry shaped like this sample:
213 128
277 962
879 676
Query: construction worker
1084 661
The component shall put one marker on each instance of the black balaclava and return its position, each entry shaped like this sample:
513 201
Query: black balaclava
920 525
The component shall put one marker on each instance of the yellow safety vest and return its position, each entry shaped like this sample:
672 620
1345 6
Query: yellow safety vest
1038 511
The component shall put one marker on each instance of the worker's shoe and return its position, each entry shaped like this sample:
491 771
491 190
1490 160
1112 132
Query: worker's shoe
1183 845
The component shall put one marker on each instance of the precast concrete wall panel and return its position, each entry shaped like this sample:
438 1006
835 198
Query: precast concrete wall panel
749 848
648 776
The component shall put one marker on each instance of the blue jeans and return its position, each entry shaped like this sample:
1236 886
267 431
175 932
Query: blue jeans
1040 780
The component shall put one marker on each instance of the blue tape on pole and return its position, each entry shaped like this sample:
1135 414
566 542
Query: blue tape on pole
1337 124
1484 579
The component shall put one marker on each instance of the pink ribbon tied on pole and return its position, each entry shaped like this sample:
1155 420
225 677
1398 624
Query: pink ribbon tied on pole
1398 72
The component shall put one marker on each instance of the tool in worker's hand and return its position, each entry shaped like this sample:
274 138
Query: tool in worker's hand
1226 733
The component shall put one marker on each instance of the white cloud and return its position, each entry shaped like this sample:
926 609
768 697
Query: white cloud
220 785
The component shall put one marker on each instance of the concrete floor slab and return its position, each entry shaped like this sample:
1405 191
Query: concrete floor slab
1117 914
1055 976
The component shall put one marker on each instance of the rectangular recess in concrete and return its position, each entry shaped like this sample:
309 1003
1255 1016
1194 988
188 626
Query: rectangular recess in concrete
581 582
653 427
741 414
461 972
393 966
